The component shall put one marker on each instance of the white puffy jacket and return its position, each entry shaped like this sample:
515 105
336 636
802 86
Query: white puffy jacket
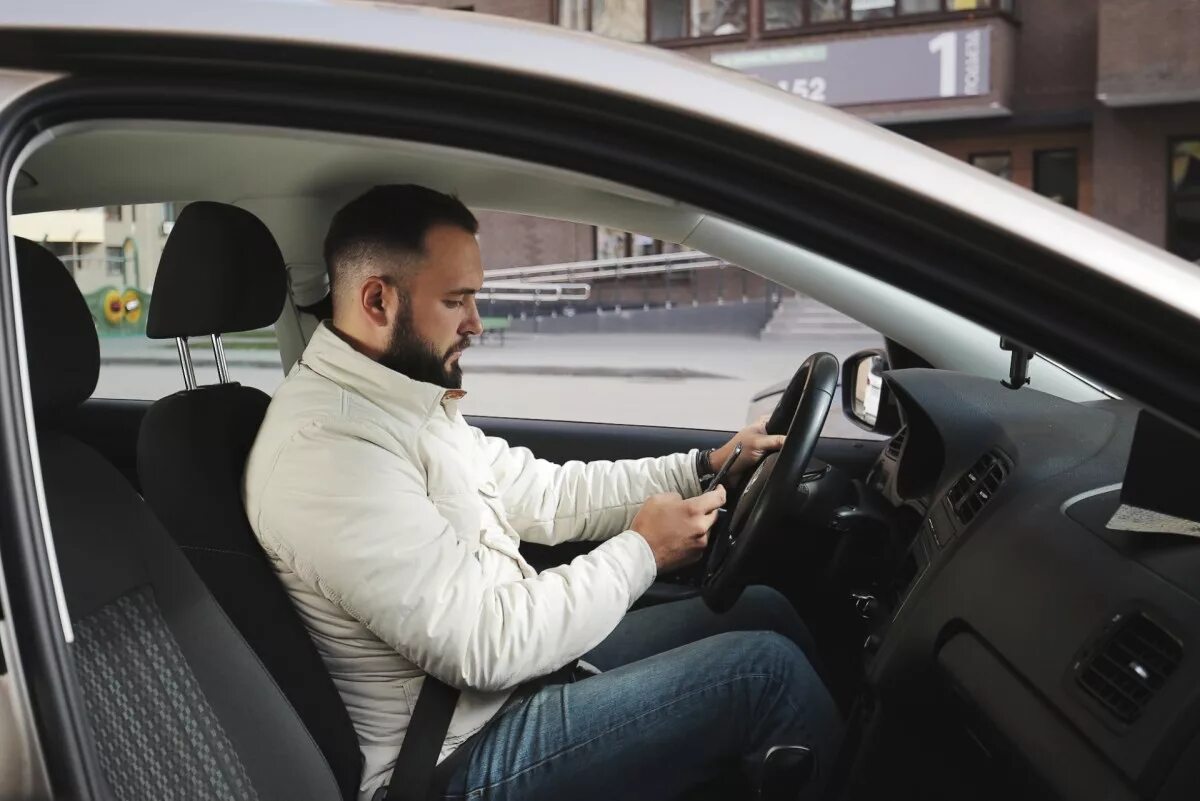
394 527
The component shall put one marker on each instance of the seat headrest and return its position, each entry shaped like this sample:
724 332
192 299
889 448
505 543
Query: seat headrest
220 271
61 345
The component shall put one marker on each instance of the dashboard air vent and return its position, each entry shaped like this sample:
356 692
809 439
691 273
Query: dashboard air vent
972 492
1129 662
897 444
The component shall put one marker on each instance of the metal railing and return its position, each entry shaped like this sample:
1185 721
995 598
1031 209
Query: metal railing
528 291
628 283
654 264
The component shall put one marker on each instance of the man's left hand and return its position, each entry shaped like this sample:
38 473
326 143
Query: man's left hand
756 443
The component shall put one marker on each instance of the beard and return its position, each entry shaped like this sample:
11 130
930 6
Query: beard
410 354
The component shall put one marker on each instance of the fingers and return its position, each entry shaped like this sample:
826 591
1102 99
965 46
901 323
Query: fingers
758 441
709 502
707 522
769 443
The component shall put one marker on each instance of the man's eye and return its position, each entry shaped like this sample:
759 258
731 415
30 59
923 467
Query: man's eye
453 304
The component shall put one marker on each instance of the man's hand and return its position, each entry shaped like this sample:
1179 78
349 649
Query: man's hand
676 529
756 443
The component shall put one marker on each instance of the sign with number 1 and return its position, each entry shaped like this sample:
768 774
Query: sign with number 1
883 69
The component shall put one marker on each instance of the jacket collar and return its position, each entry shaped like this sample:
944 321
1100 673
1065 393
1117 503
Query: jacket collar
331 357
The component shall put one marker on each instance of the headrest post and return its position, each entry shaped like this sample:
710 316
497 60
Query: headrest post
219 355
185 361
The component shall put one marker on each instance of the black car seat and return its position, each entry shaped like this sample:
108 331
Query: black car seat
221 271
180 706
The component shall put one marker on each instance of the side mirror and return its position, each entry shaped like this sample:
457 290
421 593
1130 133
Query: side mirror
866 399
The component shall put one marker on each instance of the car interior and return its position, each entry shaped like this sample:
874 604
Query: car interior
984 629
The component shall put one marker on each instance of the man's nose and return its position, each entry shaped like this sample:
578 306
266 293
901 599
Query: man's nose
473 325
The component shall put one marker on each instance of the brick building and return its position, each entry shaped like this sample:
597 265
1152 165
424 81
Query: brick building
1093 102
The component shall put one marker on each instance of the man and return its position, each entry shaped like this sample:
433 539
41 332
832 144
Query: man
394 527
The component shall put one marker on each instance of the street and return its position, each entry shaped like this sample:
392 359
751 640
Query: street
683 381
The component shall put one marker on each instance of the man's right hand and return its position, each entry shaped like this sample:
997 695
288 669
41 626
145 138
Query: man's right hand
677 529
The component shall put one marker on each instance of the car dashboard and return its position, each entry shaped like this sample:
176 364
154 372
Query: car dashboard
1021 645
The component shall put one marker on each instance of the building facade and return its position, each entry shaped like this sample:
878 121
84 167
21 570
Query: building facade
112 253
1095 103
106 246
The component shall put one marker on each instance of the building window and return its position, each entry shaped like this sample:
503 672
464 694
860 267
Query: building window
1056 175
1183 202
998 164
872 9
66 251
826 10
642 245
114 261
781 15
572 14
112 213
919 6
654 20
616 19
684 19
611 243
619 19
614 244
668 19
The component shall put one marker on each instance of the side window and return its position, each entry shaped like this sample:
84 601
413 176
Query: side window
998 164
633 330
1183 199
1056 175
113 254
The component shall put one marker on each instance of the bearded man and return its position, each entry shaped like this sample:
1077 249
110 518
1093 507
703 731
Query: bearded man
394 526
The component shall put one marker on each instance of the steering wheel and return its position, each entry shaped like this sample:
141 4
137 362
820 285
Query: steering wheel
774 484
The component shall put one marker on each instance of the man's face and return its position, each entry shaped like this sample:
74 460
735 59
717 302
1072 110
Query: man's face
437 312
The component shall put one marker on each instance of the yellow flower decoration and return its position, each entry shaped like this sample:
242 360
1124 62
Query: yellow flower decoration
114 310
131 303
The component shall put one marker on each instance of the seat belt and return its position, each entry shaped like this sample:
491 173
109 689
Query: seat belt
417 775
412 777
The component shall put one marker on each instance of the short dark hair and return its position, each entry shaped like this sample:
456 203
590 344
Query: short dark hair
387 226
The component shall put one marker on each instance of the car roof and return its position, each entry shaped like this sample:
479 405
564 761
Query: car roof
648 75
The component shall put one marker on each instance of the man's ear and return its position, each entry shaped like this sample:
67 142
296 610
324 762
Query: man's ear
373 298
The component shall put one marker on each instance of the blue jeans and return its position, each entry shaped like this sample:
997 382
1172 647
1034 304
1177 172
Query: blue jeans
685 696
